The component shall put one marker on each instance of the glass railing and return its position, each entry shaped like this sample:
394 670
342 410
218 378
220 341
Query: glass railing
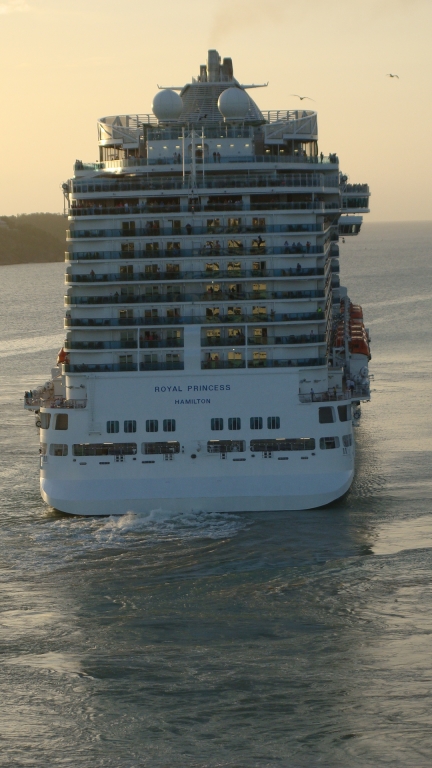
208 182
182 253
214 296
136 162
103 368
262 341
192 275
283 363
189 230
271 317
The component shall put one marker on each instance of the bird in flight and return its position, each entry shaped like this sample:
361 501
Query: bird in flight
390 75
302 97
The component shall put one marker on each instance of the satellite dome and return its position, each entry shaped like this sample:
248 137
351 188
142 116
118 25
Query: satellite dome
167 105
233 104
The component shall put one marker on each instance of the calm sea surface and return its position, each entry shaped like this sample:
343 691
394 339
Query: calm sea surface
277 639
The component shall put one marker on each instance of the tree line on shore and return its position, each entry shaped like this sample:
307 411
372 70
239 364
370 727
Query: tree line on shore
32 238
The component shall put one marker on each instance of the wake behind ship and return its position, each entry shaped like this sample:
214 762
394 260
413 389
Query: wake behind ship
212 360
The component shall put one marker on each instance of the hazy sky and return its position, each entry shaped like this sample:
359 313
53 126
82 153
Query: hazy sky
64 64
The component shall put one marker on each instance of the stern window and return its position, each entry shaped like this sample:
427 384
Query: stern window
61 421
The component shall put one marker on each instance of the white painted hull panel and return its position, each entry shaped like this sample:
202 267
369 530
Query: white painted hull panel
116 497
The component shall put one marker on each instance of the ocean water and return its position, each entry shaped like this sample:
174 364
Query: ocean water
249 641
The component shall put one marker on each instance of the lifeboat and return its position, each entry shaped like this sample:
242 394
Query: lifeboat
62 356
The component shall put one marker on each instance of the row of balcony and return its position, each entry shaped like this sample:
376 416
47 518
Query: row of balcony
207 250
205 365
155 273
214 319
158 208
154 230
135 162
208 296
237 339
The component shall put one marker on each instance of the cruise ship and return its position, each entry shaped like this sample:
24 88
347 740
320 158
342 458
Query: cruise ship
211 361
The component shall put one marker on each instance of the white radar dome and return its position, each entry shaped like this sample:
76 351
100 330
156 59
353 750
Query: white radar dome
167 105
233 104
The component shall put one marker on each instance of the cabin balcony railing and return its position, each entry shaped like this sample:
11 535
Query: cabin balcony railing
358 393
282 363
98 345
262 341
173 366
215 296
195 275
53 402
135 162
188 230
102 368
275 317
192 253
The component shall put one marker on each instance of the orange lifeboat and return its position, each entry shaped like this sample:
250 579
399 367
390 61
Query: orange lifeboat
62 356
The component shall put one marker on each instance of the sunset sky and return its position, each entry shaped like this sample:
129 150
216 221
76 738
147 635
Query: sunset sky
65 64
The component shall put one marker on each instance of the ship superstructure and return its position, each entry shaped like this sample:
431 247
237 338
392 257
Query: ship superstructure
208 361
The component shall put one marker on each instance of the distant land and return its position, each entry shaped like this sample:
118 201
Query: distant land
32 238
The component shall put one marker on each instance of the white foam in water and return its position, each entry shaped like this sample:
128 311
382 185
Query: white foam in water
169 525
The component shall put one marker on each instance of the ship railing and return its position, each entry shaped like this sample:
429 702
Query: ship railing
137 162
205 251
54 402
209 296
264 363
197 275
234 229
271 317
324 397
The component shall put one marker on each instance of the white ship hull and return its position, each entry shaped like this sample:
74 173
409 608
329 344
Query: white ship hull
269 493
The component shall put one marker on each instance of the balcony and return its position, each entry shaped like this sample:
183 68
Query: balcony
103 368
189 230
173 366
218 274
281 363
188 253
272 317
214 296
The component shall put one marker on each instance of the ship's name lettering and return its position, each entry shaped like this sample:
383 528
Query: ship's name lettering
197 388
193 401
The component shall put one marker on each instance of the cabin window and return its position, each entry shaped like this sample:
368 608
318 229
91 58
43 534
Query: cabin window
45 419
234 423
169 425
256 422
327 443
217 425
346 441
61 421
58 449
326 415
283 444
343 412
152 425
104 449
153 449
130 426
112 427
226 446
273 422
